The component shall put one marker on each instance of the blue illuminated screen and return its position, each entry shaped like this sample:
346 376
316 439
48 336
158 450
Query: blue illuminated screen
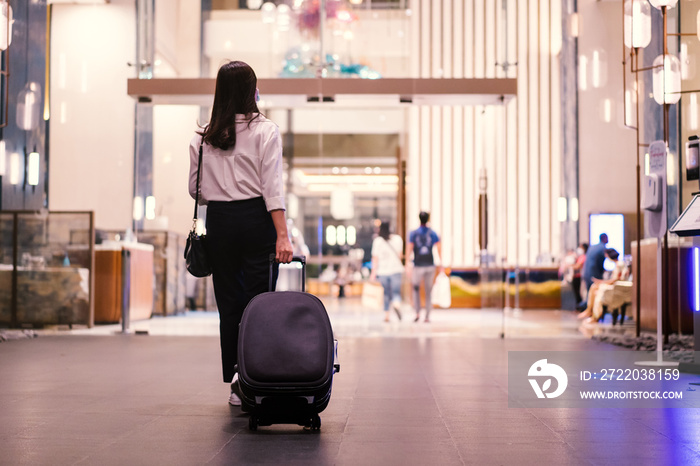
696 279
614 226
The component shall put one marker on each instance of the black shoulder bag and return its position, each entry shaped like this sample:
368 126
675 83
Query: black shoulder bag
195 252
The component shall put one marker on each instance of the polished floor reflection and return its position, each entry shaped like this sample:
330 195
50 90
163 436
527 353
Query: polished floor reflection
406 394
350 319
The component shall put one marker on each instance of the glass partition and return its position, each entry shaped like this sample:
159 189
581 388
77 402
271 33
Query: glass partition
341 183
7 254
46 259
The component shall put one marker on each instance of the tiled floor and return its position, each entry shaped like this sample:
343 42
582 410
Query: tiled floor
407 394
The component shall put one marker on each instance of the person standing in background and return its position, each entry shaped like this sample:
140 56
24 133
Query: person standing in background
387 267
577 269
420 244
593 267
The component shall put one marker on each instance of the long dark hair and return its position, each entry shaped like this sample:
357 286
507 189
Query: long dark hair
384 230
612 254
235 94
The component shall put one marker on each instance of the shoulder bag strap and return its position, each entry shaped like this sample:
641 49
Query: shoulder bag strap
199 167
394 250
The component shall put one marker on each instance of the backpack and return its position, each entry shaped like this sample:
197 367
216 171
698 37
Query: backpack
423 251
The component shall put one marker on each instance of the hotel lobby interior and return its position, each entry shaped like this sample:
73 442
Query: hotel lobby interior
524 127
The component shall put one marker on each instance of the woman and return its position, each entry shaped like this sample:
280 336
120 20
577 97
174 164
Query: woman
577 267
388 268
241 184
620 272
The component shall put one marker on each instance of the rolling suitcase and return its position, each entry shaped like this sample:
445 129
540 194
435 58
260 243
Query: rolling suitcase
286 357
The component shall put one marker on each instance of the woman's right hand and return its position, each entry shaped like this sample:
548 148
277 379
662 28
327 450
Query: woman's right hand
283 250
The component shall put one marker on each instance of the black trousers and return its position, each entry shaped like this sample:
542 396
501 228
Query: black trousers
240 239
576 287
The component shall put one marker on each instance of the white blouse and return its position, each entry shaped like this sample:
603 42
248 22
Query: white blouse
387 255
252 168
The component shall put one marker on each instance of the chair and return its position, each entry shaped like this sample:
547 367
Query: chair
616 298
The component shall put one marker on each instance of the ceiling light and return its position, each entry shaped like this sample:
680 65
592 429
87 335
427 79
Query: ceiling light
342 204
33 169
137 211
658 4
637 23
562 209
14 168
150 207
284 19
340 235
269 11
2 157
574 24
6 21
666 79
331 235
28 106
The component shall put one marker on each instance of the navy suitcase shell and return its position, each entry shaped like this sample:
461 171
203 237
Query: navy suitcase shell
286 358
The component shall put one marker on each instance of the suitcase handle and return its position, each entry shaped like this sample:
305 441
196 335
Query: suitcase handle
300 259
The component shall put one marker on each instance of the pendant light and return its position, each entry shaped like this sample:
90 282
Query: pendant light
637 23
28 102
658 4
33 169
666 79
6 21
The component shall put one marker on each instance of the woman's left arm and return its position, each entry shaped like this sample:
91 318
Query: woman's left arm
194 163
271 172
283 248
273 193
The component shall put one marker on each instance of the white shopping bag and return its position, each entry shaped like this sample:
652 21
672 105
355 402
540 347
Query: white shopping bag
372 295
442 294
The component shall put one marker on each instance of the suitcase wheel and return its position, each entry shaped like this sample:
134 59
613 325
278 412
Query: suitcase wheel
315 423
253 422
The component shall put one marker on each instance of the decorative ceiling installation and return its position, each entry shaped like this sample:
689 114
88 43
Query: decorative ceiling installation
312 58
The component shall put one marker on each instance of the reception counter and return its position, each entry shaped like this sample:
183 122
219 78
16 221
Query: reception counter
123 271
680 273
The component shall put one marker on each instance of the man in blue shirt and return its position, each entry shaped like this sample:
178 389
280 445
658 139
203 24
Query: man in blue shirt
593 267
420 243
